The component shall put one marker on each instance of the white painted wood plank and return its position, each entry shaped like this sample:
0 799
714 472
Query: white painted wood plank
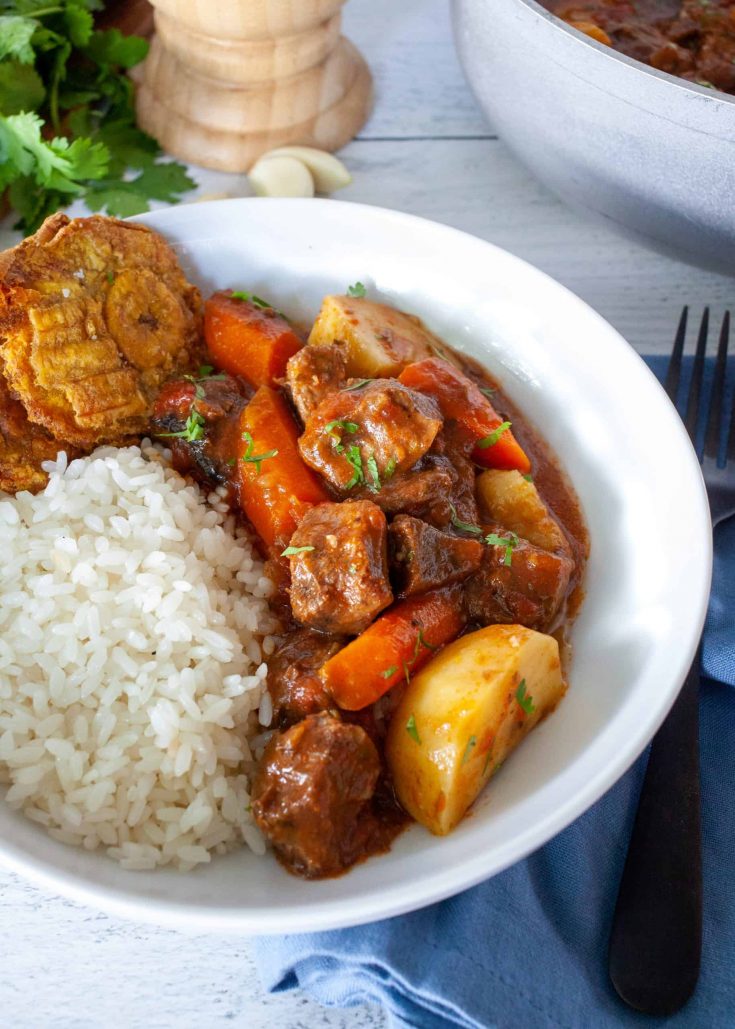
68 967
419 85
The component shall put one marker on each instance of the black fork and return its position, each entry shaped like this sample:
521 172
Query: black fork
656 938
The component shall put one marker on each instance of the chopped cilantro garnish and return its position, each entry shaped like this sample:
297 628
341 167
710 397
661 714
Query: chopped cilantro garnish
421 642
528 477
355 385
290 551
256 301
487 759
471 742
110 277
487 391
372 467
406 672
387 672
492 439
390 468
354 457
205 370
508 542
250 458
525 699
412 730
358 290
464 526
341 424
193 431
231 461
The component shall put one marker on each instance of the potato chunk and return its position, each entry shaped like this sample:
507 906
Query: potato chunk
515 503
463 713
378 340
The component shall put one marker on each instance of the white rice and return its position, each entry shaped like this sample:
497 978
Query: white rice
134 627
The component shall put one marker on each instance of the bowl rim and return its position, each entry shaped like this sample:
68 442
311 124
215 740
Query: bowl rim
611 54
431 886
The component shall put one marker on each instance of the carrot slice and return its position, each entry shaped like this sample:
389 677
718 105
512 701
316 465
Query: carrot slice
394 647
248 339
459 398
276 488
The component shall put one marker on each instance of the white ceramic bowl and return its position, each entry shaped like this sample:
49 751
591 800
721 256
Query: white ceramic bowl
647 581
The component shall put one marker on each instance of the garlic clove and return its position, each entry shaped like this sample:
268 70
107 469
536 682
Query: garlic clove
327 171
281 177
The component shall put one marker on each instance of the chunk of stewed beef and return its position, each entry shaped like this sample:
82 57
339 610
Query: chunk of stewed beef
423 558
293 680
363 437
197 419
530 590
339 567
312 795
314 373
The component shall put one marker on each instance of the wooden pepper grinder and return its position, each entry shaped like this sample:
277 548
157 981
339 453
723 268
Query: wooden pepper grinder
227 80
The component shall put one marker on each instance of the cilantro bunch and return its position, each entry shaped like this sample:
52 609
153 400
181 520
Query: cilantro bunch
67 120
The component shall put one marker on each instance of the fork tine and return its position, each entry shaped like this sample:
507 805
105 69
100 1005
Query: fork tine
673 374
695 386
730 452
712 439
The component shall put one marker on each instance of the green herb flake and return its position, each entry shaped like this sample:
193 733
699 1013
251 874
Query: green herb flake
339 423
487 391
388 672
406 673
372 467
110 277
257 459
528 477
507 542
231 461
525 699
355 385
192 432
412 730
251 298
471 742
492 439
291 551
463 526
487 759
390 468
358 290
354 458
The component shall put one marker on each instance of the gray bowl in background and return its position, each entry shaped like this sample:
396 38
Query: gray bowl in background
653 154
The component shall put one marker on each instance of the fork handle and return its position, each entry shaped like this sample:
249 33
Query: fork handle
656 938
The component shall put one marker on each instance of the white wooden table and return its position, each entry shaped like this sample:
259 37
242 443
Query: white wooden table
428 150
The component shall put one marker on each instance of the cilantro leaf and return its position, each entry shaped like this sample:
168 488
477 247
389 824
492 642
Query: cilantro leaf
509 543
79 24
412 730
257 459
358 290
525 699
289 551
493 437
21 88
471 742
120 203
463 526
15 37
111 47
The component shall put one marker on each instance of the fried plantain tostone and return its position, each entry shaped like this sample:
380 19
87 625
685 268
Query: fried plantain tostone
95 314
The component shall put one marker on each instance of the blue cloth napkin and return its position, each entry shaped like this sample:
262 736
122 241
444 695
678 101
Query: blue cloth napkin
528 948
